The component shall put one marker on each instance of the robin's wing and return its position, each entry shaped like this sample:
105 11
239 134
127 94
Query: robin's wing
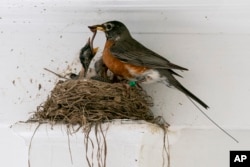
137 54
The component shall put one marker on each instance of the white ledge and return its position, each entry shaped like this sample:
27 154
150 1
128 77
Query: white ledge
129 143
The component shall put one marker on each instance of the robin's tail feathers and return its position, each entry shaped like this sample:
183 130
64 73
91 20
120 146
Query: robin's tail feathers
173 82
188 93
177 67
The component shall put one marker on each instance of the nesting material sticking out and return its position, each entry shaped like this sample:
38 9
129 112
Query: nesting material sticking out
87 101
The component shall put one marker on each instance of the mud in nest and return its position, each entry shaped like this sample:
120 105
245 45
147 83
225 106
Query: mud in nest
81 102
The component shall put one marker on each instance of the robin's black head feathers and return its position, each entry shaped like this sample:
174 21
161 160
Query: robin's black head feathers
115 30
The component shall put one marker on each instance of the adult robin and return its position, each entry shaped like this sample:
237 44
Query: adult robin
128 58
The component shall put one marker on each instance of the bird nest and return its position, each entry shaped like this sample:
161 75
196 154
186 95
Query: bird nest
86 101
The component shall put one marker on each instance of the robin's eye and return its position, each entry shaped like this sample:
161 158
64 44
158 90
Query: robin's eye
108 26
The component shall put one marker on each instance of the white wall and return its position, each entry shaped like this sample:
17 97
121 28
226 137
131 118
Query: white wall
210 38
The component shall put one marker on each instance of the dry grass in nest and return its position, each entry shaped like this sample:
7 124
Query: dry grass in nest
90 102
86 101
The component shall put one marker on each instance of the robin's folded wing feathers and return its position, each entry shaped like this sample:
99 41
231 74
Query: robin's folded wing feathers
137 54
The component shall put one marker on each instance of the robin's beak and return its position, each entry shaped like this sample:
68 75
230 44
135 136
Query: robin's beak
97 27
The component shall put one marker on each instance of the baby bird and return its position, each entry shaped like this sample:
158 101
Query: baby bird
86 55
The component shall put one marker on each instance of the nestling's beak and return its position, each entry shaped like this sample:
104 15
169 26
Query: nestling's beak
97 27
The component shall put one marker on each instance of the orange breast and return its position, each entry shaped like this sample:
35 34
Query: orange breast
118 67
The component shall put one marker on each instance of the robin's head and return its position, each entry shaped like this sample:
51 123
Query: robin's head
114 30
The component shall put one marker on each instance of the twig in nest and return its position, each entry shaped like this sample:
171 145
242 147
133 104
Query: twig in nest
31 142
68 133
165 149
60 76
101 145
86 142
